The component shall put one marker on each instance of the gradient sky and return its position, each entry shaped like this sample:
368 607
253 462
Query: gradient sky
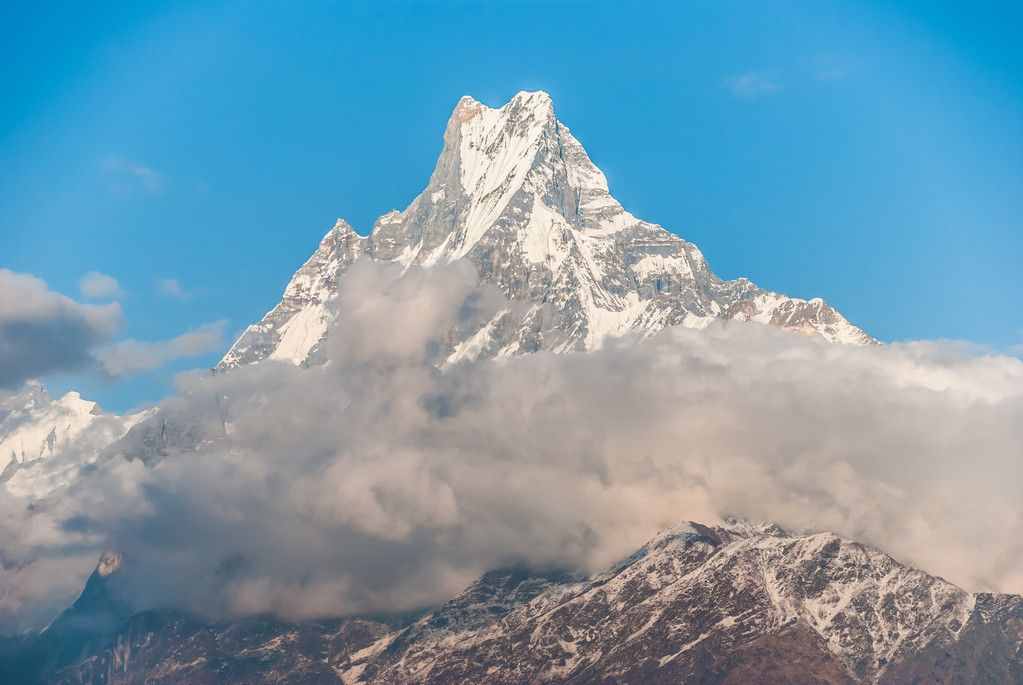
870 153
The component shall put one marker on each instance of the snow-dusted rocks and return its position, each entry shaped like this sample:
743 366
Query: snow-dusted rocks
702 603
734 603
515 193
291 330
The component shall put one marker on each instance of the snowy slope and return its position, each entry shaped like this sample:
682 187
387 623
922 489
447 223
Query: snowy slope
292 328
686 604
515 193
34 427
733 603
44 441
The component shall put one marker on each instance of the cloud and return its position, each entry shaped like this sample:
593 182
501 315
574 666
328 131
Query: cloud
95 285
130 356
831 68
753 85
126 173
41 565
1016 349
375 482
171 287
44 332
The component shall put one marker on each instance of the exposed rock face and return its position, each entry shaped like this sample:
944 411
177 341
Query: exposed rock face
515 193
698 604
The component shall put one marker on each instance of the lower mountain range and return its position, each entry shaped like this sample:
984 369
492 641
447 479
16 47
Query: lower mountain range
735 603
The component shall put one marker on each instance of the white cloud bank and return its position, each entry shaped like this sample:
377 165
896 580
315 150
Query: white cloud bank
377 483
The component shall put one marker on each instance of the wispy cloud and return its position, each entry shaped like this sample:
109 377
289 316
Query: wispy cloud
124 172
130 356
99 286
830 68
752 85
171 287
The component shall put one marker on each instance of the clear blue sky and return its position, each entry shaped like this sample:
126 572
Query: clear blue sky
867 152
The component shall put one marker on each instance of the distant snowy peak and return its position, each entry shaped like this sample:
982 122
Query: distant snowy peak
44 441
35 427
516 194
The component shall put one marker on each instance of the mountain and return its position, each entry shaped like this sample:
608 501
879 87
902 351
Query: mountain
33 426
86 626
37 432
732 603
516 194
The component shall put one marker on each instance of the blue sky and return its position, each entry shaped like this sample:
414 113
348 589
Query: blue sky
870 153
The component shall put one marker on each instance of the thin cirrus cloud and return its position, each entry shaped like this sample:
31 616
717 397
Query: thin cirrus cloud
171 287
96 285
831 68
753 85
758 84
126 174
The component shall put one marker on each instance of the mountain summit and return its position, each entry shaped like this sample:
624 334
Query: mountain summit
515 193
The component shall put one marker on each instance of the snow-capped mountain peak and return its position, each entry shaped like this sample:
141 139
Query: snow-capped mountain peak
515 193
36 430
34 427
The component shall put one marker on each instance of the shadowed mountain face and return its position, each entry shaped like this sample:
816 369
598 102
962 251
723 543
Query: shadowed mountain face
515 194
735 603
86 626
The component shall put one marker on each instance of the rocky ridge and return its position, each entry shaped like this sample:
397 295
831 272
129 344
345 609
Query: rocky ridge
730 603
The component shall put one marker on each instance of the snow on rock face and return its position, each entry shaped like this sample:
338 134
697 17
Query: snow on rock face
692 599
733 603
515 193
292 329
36 430
41 427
